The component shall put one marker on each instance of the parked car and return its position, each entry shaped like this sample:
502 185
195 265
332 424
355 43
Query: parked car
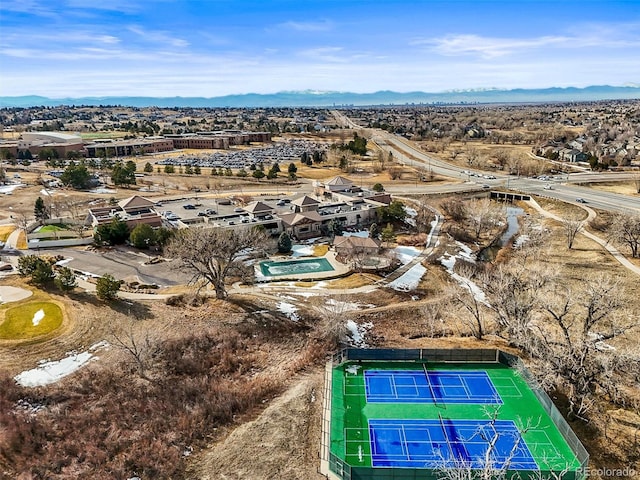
486 187
188 206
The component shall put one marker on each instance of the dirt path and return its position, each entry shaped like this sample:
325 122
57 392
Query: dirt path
282 443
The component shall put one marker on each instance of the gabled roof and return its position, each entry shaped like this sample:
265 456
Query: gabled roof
293 219
340 181
258 207
305 201
355 242
135 202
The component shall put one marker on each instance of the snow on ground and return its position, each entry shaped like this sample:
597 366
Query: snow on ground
37 317
353 369
411 215
50 372
357 332
410 279
406 254
449 262
102 190
434 223
289 310
8 189
45 192
465 253
302 250
360 233
63 262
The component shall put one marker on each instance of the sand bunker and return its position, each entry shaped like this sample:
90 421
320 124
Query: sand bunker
13 294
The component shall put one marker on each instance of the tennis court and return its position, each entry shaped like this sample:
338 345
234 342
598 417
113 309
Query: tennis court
446 443
424 386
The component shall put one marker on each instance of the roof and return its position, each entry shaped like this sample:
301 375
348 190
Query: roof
339 181
135 202
355 242
258 207
305 201
293 219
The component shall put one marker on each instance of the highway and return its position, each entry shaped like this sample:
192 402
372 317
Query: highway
560 187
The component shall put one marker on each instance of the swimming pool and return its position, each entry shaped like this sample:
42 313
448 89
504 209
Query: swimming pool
294 267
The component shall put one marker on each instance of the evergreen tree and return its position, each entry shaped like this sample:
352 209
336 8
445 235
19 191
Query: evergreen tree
40 210
284 243
142 236
107 287
148 168
65 279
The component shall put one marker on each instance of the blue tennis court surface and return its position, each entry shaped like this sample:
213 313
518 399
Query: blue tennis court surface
416 386
448 444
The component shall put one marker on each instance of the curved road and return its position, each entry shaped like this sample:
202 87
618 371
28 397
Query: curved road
562 187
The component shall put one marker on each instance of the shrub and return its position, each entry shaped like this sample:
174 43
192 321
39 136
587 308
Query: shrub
107 287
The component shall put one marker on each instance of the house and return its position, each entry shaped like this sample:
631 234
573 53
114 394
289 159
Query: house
349 246
572 155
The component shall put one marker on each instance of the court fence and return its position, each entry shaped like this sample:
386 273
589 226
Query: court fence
339 469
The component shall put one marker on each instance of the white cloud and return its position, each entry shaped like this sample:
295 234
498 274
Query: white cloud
158 37
325 54
487 47
322 26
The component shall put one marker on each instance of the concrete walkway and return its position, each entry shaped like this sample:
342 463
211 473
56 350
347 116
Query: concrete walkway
12 240
606 245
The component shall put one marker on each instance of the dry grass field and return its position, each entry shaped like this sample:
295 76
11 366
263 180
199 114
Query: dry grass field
233 389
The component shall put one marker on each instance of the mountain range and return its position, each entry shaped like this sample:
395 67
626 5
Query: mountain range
313 98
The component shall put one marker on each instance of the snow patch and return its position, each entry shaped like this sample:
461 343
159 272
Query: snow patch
102 190
8 189
37 317
302 250
357 332
289 310
353 369
50 372
449 262
410 279
406 254
360 233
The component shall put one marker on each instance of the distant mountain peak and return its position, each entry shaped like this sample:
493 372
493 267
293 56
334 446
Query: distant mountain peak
327 98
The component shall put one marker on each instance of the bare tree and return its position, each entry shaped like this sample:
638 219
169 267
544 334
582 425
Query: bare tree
140 348
572 226
482 214
514 292
214 254
333 317
581 321
424 216
625 230
465 295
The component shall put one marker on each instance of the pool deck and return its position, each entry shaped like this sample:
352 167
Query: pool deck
339 270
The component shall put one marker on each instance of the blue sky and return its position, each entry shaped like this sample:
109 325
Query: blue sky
61 48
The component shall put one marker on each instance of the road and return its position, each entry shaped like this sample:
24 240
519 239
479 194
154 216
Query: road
564 188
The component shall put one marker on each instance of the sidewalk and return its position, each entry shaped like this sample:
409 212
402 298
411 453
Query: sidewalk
606 245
